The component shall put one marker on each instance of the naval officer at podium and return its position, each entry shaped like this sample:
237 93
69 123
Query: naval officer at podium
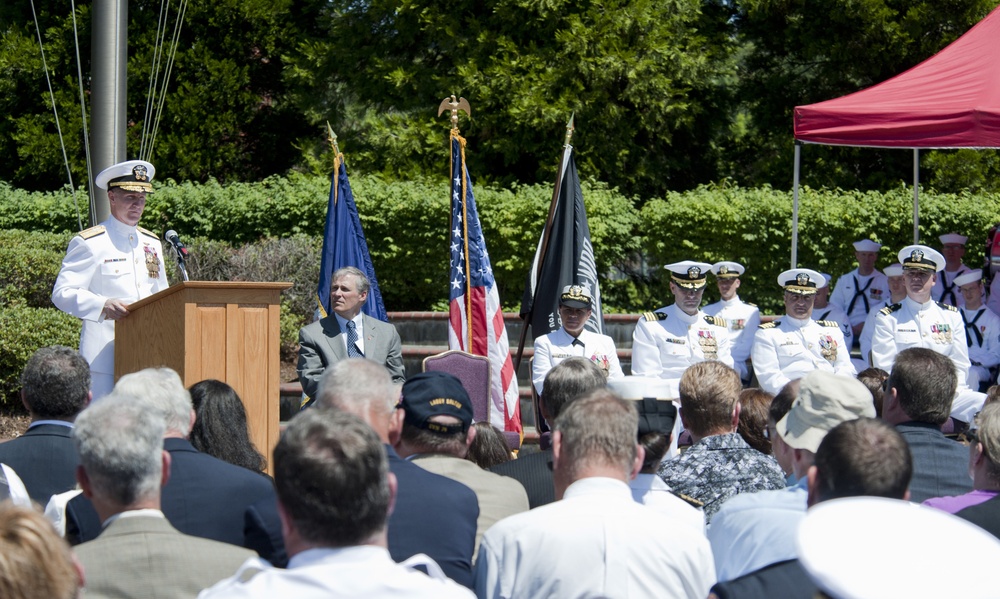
109 266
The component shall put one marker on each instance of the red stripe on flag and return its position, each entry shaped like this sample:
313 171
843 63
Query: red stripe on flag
480 336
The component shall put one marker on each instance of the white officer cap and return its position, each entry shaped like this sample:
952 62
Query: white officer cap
921 257
802 280
867 245
873 547
576 296
727 270
691 275
953 238
968 277
893 270
132 175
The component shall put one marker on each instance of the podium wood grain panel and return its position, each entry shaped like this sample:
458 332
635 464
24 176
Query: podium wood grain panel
223 330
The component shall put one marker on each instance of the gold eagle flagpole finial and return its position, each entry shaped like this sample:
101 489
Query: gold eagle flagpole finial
454 105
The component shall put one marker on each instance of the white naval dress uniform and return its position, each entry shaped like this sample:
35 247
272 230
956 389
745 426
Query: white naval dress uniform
667 341
789 348
558 345
865 338
982 330
932 325
832 312
742 320
857 295
946 291
110 261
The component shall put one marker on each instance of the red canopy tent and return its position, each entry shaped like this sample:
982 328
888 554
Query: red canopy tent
951 100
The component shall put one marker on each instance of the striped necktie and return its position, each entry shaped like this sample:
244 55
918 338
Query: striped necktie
352 341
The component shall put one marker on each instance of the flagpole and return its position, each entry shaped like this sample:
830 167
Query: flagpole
331 138
455 105
546 233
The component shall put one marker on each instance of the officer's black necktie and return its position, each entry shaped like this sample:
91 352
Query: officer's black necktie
352 341
970 325
859 292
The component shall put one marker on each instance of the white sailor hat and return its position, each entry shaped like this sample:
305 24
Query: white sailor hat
868 547
867 245
576 296
893 270
801 280
954 238
727 270
968 277
688 274
921 257
132 175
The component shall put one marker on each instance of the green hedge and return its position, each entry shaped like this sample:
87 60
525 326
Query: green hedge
24 331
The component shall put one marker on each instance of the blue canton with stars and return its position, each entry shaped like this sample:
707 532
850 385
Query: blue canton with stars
480 271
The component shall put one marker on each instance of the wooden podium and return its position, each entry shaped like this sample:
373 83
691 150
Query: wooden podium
227 331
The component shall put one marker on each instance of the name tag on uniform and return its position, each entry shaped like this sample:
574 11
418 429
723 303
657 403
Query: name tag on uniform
901 330
677 341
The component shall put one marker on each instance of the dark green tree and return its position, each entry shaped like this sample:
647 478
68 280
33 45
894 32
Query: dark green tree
800 52
645 78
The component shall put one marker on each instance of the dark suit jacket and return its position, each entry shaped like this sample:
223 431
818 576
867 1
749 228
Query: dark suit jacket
205 497
433 515
320 346
986 515
45 460
940 465
262 532
787 580
143 556
534 472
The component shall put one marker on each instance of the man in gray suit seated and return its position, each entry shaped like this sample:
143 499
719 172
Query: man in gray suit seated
123 466
347 333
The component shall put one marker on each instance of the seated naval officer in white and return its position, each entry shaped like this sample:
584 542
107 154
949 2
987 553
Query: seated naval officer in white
742 318
982 330
824 310
572 339
952 250
897 293
919 321
109 266
858 291
795 345
667 341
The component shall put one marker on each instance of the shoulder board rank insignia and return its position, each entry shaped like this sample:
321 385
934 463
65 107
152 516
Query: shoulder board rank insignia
890 309
147 232
770 325
92 232
689 500
946 307
654 316
828 323
719 322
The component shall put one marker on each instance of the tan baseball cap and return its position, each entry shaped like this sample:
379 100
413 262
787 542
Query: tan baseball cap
824 401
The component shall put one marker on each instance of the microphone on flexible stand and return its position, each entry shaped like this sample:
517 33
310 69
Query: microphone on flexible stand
179 249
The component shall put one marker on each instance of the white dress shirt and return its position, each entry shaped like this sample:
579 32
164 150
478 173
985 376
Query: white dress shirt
651 491
364 571
596 542
359 323
558 345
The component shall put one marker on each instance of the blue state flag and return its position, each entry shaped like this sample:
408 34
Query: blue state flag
344 244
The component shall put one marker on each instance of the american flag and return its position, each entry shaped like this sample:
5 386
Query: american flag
475 320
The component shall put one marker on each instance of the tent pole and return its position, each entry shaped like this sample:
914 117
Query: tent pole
795 206
916 195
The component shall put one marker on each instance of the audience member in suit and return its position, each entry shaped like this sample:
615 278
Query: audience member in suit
857 457
566 381
220 426
122 469
34 562
437 432
433 514
595 540
55 387
917 400
205 496
984 463
335 492
325 342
